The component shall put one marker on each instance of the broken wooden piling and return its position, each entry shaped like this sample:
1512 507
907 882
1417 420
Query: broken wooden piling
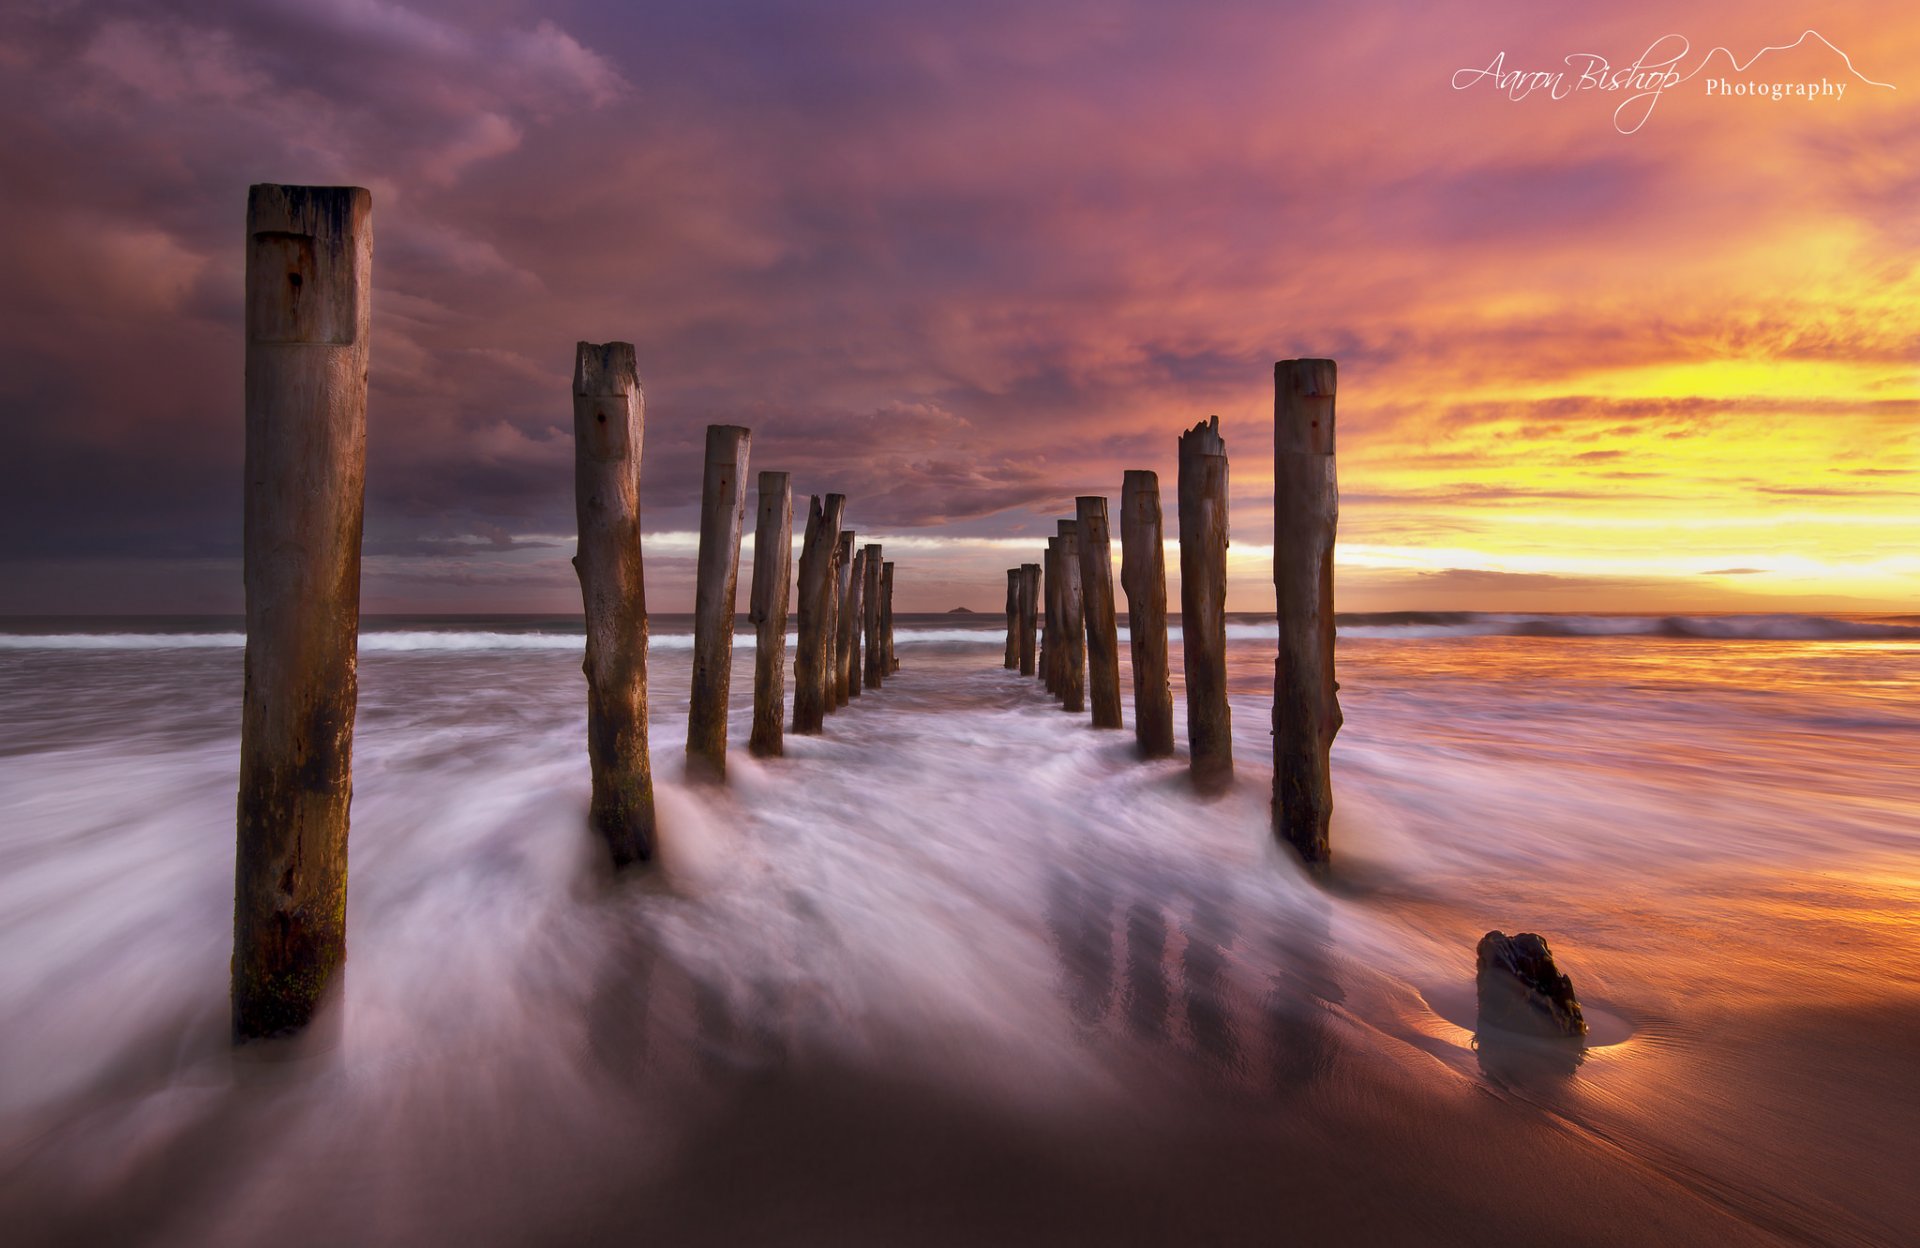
886 617
1073 633
1096 595
1306 512
1012 660
1143 573
843 621
609 425
1029 614
871 606
308 279
1203 599
856 615
723 507
772 570
1050 634
811 673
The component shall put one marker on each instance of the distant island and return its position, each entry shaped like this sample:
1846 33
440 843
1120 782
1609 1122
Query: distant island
963 611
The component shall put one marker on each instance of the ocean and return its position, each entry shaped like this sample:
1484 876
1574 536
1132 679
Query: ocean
963 970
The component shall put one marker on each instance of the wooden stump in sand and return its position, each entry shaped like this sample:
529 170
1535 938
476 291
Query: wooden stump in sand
844 625
871 605
1096 593
772 573
1203 600
723 507
856 614
1143 573
1073 633
1029 614
308 280
1306 511
892 662
1012 660
810 671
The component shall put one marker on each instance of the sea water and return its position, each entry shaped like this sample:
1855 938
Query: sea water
964 969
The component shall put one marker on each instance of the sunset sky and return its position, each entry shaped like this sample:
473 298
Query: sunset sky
963 262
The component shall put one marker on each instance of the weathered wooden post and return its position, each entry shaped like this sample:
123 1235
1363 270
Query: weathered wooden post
1203 600
886 617
1073 647
1143 573
723 508
843 621
830 700
1012 659
1050 627
609 425
1096 594
1029 614
856 614
810 672
772 570
876 649
1306 511
309 277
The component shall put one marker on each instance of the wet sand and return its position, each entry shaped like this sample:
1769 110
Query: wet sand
962 972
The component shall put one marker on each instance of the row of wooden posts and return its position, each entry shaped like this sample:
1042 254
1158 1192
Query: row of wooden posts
308 280
1068 600
845 608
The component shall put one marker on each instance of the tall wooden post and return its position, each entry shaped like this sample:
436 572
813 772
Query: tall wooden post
843 622
1096 594
772 571
810 671
892 663
830 700
1012 660
1143 573
856 615
1029 614
876 650
1306 511
1050 633
309 275
723 508
1203 601
609 425
1073 632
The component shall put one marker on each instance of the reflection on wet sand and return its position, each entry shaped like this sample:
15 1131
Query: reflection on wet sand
1244 1004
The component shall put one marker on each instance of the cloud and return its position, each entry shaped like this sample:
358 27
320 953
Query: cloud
960 265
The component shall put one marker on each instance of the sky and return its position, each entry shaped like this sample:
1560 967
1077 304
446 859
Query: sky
1609 351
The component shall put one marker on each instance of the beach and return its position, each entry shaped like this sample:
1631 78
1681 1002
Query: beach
963 970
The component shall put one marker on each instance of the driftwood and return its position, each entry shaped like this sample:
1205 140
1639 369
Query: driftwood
723 507
1012 660
1143 573
810 670
1096 593
1306 511
1203 600
309 272
1029 614
844 626
856 615
1073 633
772 572
876 648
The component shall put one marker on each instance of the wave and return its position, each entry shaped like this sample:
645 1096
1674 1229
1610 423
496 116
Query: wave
1707 627
1382 626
